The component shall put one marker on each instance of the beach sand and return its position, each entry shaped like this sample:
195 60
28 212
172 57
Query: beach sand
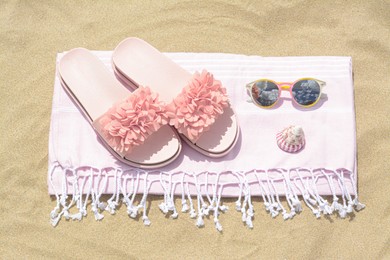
33 32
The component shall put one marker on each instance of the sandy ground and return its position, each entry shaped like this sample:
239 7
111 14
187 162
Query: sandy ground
32 32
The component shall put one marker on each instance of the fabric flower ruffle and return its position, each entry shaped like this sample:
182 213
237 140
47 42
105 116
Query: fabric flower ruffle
128 123
198 105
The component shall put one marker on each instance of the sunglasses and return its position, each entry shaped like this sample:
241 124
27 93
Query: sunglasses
306 92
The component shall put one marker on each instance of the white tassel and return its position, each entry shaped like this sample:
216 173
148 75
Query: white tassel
350 207
267 206
163 207
310 200
111 206
297 205
132 211
274 213
218 225
95 208
83 211
342 212
243 212
250 211
146 221
192 210
285 215
335 205
317 213
192 213
238 202
238 205
54 221
324 207
145 218
54 213
358 206
223 208
292 213
248 222
170 205
66 213
184 206
206 211
307 187
97 215
77 216
199 221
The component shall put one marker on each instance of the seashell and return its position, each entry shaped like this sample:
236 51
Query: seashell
291 139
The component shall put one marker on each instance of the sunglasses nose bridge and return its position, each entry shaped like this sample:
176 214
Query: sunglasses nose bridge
285 86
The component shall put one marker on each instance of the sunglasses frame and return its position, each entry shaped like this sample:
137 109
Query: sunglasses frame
285 86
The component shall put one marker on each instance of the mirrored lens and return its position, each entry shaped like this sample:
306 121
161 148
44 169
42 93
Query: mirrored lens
306 92
265 93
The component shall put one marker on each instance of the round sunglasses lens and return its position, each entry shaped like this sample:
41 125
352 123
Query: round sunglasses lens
265 93
306 92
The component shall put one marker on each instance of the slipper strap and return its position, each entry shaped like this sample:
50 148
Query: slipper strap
129 122
198 105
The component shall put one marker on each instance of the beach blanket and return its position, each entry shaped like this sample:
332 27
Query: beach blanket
82 170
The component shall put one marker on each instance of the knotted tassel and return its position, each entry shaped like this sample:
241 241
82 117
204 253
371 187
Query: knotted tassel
66 213
174 215
350 207
184 206
218 225
285 215
146 221
358 206
170 205
223 208
267 206
243 212
54 221
192 210
335 205
295 203
111 206
199 221
206 210
96 213
55 216
250 211
274 213
317 213
249 222
342 212
292 213
192 213
324 207
238 205
83 211
77 216
309 199
54 213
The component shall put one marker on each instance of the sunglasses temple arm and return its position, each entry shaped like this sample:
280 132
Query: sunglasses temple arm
249 84
323 83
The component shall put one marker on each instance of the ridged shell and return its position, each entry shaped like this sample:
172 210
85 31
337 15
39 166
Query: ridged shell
291 139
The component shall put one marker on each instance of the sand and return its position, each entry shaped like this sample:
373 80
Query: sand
31 33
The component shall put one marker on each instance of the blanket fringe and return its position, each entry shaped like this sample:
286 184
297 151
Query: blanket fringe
91 184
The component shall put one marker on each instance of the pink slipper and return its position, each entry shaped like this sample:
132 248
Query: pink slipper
133 126
197 104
